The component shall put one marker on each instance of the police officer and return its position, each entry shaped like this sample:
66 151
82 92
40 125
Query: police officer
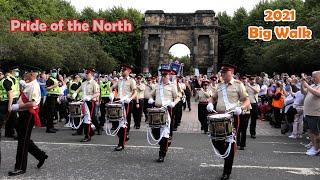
230 93
166 95
53 92
13 77
127 90
6 99
28 117
138 102
105 92
204 95
91 92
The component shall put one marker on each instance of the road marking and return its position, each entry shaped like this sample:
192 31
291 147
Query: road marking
274 143
292 170
293 152
97 145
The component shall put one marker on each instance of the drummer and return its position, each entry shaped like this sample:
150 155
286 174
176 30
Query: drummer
127 91
167 98
204 94
91 92
229 95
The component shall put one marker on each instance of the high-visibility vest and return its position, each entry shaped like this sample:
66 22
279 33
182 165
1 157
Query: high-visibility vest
105 89
55 90
3 92
70 91
15 86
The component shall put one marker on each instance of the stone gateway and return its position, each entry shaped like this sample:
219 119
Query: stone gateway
198 31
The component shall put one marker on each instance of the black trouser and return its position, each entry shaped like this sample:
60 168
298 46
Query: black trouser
25 144
51 105
202 116
42 112
188 94
277 116
254 117
222 146
63 109
3 115
11 123
178 114
242 132
163 142
104 101
137 112
88 132
123 132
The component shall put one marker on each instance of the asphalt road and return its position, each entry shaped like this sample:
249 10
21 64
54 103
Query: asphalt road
190 157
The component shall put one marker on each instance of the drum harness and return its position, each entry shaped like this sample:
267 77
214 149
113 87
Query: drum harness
231 138
162 131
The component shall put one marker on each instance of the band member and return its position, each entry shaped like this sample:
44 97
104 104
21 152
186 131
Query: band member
178 108
253 90
165 96
28 117
204 94
105 90
230 93
127 90
188 93
149 87
91 92
13 77
73 86
138 102
244 120
53 91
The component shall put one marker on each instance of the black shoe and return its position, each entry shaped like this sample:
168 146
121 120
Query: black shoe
54 129
127 138
253 136
189 109
225 177
241 148
50 131
16 172
174 129
39 165
86 140
160 159
76 134
119 148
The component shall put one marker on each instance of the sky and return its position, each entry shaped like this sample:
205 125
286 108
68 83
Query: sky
169 6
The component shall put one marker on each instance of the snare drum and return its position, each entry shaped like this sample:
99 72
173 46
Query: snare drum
157 117
75 109
114 111
220 126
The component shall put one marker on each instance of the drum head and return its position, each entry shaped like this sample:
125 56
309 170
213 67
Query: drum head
220 116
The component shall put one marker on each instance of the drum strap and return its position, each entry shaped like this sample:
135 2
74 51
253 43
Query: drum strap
225 98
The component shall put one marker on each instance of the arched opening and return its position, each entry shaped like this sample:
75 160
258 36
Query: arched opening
181 53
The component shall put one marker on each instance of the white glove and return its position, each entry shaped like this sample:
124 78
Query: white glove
74 95
237 111
87 98
15 107
127 100
210 107
172 104
150 101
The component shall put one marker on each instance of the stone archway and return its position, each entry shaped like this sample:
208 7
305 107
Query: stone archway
198 31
